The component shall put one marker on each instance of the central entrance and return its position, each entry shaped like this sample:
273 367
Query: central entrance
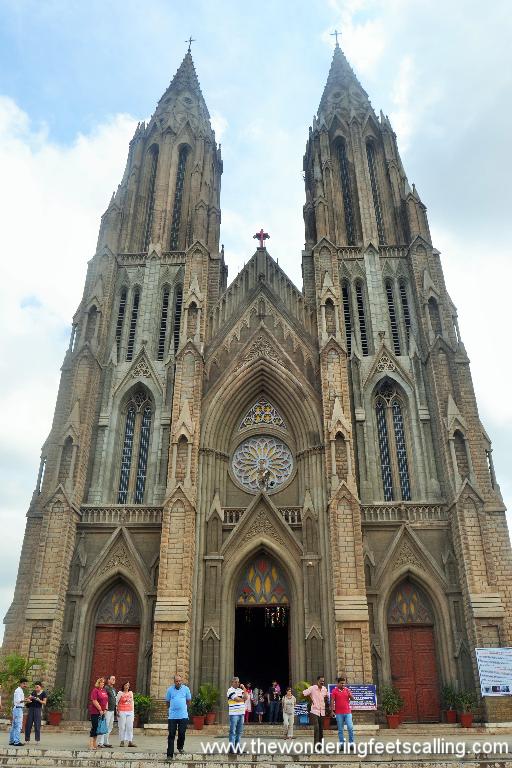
262 625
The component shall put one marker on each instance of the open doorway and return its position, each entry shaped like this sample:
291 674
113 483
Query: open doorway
262 625
262 645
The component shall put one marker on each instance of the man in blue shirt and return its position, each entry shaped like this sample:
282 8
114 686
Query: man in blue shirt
178 697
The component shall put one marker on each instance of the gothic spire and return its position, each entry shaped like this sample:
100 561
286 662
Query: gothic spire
183 96
342 89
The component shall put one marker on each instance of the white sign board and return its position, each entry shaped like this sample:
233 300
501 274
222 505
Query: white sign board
495 670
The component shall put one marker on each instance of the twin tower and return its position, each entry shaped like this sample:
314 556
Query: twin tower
256 479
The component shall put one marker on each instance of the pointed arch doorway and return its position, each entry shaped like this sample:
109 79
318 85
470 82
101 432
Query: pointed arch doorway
117 636
412 653
262 624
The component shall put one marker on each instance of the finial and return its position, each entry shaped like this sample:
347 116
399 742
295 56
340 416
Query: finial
261 236
190 41
335 34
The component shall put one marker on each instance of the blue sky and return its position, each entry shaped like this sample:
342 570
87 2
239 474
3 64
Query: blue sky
75 77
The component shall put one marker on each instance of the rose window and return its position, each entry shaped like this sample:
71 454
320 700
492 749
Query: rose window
262 463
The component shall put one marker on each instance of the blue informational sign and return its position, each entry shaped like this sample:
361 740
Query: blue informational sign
301 708
365 695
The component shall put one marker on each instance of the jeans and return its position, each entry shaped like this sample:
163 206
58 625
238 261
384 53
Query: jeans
274 711
345 720
33 719
93 733
17 722
318 728
181 725
104 737
236 729
125 721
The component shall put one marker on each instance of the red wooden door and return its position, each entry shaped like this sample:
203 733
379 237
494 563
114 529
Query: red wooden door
116 651
414 672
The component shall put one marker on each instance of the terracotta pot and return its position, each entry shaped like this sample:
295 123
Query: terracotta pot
327 722
210 718
451 715
198 721
466 719
136 721
54 718
393 721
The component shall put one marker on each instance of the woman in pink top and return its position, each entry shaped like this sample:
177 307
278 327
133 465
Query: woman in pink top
125 715
98 704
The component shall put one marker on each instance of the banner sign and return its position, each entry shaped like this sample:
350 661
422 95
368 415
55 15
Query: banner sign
495 670
365 696
302 708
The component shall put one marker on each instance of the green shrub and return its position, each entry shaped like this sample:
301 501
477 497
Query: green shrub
390 700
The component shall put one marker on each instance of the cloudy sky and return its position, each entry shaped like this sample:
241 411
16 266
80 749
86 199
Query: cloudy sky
75 77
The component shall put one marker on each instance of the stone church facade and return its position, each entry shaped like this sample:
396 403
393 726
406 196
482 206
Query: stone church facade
231 462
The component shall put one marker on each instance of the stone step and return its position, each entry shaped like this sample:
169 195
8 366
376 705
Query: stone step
48 758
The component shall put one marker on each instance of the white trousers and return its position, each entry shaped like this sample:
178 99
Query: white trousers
125 720
105 737
288 724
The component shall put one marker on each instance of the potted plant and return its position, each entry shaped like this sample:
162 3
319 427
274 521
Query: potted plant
142 709
302 702
198 708
449 697
55 706
466 701
210 695
391 703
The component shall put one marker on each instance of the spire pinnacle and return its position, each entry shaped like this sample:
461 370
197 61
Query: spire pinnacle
183 95
343 90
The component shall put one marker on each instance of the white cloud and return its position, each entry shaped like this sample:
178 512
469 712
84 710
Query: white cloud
51 198
219 124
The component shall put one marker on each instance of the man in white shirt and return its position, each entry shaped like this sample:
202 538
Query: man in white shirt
237 695
18 702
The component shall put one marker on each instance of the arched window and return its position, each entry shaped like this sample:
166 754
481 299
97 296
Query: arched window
90 328
178 197
178 304
153 162
163 324
372 168
137 431
461 454
120 319
330 318
405 308
347 316
392 444
65 460
435 317
346 192
362 318
341 456
133 324
392 317
192 316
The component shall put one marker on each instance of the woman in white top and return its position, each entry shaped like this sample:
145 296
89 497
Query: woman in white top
125 715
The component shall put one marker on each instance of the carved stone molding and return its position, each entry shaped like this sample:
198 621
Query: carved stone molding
260 348
119 557
262 525
406 556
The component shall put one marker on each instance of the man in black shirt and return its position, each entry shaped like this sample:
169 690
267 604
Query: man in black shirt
274 700
35 703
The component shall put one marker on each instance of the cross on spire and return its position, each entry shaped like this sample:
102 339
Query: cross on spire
261 236
335 34
190 41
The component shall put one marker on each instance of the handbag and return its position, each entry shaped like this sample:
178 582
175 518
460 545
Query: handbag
102 726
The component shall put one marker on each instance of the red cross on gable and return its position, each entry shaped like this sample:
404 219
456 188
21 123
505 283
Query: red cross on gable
261 236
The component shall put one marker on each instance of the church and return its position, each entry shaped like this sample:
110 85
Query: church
258 479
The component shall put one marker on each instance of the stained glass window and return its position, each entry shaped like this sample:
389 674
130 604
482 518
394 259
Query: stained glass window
137 431
178 303
345 290
153 160
405 309
262 412
262 463
392 317
163 325
133 325
392 444
120 318
347 195
178 198
119 606
362 318
262 584
370 154
409 605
